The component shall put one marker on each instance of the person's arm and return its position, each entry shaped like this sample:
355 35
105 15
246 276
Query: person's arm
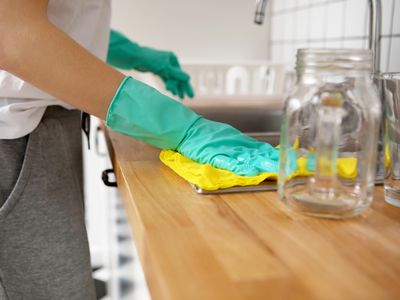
35 50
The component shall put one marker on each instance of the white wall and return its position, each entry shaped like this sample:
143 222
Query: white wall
217 30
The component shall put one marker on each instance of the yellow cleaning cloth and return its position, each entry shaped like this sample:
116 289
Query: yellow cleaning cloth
206 176
209 178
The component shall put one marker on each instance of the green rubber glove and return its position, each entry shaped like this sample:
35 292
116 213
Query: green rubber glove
142 112
225 147
126 55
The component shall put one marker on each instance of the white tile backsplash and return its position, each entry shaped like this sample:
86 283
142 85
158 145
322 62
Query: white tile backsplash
384 53
354 44
387 8
317 19
278 5
355 18
332 23
277 27
333 44
396 20
302 3
394 59
302 24
316 45
287 27
291 4
276 52
318 2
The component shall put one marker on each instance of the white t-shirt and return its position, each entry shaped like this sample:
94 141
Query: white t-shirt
22 105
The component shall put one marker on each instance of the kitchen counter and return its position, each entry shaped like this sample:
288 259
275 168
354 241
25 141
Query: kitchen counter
249 245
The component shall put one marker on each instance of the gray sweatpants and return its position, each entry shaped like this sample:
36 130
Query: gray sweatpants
43 244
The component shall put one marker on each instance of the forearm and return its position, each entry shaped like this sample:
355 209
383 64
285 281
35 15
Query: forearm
46 57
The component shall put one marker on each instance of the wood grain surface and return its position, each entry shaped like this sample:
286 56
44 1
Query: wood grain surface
249 245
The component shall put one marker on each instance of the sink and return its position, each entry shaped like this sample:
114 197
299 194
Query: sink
258 118
257 115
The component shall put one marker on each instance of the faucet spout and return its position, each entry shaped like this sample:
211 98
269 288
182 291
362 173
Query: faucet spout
261 5
375 23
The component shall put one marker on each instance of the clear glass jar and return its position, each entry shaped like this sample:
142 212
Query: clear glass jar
329 134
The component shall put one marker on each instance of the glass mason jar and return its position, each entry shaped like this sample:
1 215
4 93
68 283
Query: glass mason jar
329 133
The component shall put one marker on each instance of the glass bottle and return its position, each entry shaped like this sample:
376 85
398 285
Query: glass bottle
329 134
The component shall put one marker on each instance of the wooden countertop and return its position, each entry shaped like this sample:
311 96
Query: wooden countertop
248 245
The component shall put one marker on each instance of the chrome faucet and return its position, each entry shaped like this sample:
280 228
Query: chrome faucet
374 44
261 5
375 25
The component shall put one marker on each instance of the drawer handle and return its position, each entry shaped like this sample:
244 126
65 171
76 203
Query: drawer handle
105 178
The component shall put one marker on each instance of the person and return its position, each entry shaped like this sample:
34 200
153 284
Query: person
52 65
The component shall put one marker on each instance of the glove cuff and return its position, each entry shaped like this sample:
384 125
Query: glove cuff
142 112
